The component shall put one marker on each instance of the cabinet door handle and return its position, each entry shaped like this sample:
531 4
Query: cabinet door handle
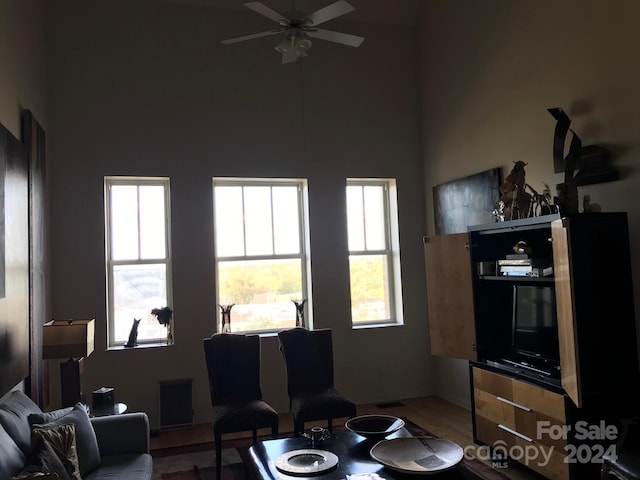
513 432
514 404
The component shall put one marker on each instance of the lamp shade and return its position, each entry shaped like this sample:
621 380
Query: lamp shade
68 338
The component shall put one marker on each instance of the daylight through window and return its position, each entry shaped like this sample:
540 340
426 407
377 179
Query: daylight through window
261 251
374 259
138 256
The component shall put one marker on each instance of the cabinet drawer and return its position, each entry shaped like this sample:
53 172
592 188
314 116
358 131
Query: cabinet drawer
517 417
488 406
507 415
551 465
548 403
489 382
521 393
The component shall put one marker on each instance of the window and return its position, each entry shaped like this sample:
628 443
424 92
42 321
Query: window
261 251
138 256
374 257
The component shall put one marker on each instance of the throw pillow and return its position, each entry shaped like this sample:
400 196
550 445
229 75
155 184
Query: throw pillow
44 464
61 440
37 476
86 441
46 417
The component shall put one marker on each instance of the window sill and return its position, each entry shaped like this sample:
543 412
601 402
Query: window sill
376 325
140 346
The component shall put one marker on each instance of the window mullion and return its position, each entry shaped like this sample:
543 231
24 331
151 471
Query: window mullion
273 227
364 218
139 222
387 221
244 225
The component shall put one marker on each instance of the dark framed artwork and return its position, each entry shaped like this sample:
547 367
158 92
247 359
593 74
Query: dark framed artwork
466 201
14 305
34 141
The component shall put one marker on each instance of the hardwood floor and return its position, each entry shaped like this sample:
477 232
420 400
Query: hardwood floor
434 414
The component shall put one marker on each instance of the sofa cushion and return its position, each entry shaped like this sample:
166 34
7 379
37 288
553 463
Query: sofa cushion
62 439
43 460
12 459
14 412
86 442
128 466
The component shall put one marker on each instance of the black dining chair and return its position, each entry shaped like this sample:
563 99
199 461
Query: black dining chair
308 356
233 365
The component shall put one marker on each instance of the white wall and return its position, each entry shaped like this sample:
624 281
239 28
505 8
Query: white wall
22 63
489 72
139 90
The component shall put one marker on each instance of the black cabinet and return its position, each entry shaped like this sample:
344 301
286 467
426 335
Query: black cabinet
582 287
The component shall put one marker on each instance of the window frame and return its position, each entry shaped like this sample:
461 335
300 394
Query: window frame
304 244
110 181
391 251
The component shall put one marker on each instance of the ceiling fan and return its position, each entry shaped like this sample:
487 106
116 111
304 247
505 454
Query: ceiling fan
297 28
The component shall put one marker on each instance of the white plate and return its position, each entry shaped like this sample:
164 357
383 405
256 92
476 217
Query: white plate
307 461
417 455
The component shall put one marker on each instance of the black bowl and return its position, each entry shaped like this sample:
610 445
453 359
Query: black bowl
374 426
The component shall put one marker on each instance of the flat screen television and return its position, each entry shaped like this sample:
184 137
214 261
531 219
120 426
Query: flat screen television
535 326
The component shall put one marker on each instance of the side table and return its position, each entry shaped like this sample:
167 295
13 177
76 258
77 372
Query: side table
118 409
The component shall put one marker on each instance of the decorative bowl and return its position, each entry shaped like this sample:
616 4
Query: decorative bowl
417 455
374 426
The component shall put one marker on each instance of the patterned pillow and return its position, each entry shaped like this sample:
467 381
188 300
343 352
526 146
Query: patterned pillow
44 464
61 440
86 441
37 476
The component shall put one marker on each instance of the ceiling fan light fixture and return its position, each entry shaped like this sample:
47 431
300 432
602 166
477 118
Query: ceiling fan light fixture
302 47
286 44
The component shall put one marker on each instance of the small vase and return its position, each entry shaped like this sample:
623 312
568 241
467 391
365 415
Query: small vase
300 312
169 334
225 310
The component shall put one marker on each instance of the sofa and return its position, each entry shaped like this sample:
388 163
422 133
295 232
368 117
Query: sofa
68 443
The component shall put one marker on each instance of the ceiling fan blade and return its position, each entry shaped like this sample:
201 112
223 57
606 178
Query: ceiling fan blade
329 12
338 37
250 37
262 9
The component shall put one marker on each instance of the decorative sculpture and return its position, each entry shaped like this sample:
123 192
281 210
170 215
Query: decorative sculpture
300 312
225 310
163 315
567 198
519 199
541 203
591 163
515 200
317 436
133 334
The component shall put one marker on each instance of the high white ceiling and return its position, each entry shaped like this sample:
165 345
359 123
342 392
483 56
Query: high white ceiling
380 12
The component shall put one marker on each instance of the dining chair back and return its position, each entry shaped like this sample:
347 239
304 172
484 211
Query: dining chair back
233 366
308 356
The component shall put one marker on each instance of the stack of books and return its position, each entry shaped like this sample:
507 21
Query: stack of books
520 265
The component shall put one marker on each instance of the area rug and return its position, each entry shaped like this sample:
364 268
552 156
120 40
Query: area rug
197 462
